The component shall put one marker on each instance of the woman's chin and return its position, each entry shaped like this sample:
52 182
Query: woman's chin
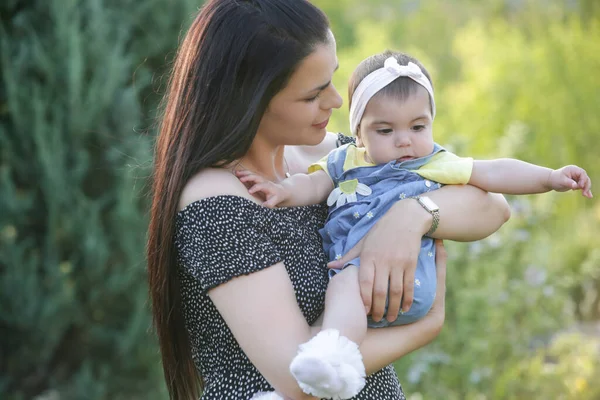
317 138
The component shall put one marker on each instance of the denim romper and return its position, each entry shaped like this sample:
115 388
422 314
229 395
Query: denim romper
347 224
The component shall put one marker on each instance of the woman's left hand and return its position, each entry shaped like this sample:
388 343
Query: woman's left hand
388 259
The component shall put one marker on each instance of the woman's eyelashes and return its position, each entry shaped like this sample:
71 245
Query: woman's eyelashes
313 98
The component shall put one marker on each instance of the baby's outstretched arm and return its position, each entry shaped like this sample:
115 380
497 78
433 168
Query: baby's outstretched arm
510 176
298 190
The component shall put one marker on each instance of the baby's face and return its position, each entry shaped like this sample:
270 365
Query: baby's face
393 129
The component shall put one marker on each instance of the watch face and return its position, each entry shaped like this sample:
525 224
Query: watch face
429 204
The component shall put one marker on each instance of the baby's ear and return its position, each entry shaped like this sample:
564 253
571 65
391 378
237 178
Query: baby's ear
359 142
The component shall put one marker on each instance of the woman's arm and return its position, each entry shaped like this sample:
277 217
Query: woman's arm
466 213
262 312
260 308
264 317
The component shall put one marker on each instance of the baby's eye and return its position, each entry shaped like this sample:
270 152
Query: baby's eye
384 131
418 128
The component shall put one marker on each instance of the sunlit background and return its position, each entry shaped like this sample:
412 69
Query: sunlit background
79 89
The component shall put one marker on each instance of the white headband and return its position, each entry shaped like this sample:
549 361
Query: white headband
379 79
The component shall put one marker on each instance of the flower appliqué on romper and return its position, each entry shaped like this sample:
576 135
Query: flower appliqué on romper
346 192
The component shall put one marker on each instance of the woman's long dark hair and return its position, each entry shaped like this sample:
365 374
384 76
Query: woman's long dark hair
235 57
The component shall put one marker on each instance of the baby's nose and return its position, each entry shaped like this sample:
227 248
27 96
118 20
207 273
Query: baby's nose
402 140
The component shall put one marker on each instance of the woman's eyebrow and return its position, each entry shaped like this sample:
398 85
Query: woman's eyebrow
322 87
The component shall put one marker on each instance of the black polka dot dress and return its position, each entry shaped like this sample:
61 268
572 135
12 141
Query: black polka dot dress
219 238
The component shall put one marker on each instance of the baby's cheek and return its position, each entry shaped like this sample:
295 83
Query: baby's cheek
381 155
429 144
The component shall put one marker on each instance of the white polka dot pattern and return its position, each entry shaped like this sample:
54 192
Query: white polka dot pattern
219 238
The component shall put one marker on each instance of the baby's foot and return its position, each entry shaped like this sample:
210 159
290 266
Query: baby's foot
330 366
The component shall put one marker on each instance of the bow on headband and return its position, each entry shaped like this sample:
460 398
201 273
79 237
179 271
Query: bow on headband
379 79
411 70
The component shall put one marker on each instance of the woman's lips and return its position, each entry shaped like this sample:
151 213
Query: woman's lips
322 124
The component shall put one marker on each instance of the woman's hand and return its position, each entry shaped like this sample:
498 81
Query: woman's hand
388 258
384 346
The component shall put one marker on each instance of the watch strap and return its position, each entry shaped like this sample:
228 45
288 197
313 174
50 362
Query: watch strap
434 213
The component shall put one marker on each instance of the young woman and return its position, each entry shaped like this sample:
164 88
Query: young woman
236 286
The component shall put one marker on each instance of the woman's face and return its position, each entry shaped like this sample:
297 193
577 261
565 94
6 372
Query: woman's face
298 115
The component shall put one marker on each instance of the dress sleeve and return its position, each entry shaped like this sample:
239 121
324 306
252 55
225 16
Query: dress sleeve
343 139
219 238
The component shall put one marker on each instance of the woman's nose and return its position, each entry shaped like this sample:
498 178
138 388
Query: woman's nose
334 100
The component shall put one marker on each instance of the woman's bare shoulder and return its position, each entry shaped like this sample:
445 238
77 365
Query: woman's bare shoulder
212 182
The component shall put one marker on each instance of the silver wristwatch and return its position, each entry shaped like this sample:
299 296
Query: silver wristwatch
432 209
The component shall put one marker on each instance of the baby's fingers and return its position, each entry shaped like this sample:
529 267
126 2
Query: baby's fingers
254 179
587 188
262 187
244 175
566 182
271 202
585 183
242 172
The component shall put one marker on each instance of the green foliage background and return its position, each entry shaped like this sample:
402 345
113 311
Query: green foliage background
79 84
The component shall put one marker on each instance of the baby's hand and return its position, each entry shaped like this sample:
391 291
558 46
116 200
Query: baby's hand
273 193
571 177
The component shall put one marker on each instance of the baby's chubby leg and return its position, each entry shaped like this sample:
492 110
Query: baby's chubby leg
330 364
344 308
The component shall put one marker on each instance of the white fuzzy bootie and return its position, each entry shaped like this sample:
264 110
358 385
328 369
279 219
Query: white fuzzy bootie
329 366
267 396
